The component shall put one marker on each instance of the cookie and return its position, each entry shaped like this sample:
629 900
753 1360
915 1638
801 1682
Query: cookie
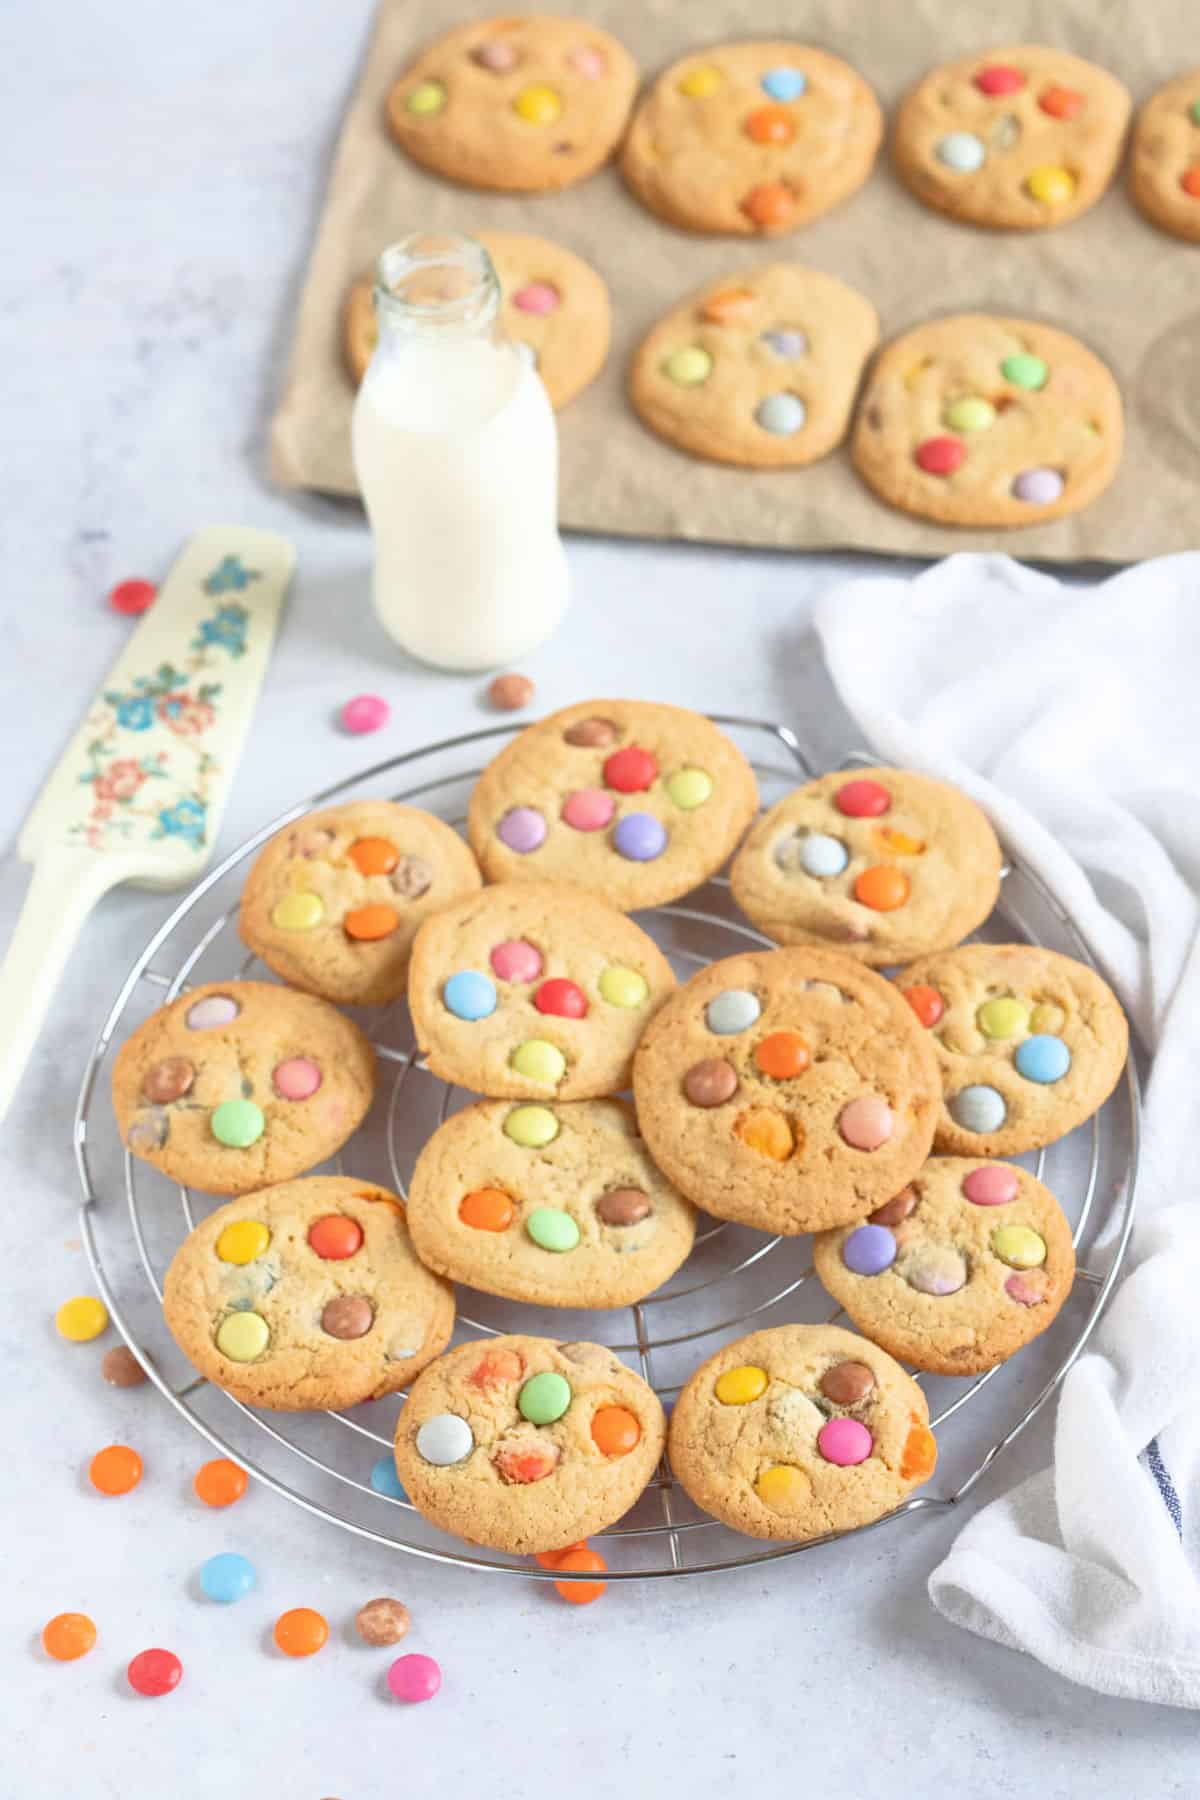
882 863
977 420
966 1265
559 1206
759 369
800 1431
522 105
552 301
752 139
792 1090
1019 139
534 991
637 801
524 1444
1029 1044
307 1295
238 1084
333 902
1164 162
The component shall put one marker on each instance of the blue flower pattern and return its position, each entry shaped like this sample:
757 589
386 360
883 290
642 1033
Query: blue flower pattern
226 630
186 820
231 576
134 713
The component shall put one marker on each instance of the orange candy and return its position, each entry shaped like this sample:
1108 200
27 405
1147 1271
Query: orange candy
335 1237
495 1367
782 1055
581 1593
487 1209
727 306
67 1636
373 856
898 843
767 1132
1061 102
550 1559
220 1482
367 923
1190 181
919 1456
115 1470
927 1003
770 205
615 1431
300 1632
882 888
770 125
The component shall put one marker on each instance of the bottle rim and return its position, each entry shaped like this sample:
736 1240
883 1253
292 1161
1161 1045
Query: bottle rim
436 279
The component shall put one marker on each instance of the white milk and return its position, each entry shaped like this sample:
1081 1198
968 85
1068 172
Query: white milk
456 452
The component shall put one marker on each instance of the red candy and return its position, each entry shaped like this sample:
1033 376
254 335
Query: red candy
631 770
927 1003
862 800
525 1461
562 999
133 597
940 455
999 78
154 1672
335 1237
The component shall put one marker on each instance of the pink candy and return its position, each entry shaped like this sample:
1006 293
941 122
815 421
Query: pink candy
844 1442
866 1123
993 1185
536 297
414 1678
516 961
588 809
296 1079
589 63
366 712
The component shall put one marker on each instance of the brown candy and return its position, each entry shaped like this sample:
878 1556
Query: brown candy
168 1080
711 1082
382 1621
591 734
847 1383
498 57
121 1368
893 1212
623 1206
509 693
349 1316
411 877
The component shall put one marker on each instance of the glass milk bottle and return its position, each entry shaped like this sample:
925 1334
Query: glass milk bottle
456 453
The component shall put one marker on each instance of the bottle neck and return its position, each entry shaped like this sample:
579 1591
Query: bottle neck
436 290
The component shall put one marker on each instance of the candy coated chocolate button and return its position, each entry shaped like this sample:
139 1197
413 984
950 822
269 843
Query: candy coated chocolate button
1001 1018
978 1108
237 1123
710 1082
227 1577
927 1003
847 1383
552 1229
411 878
116 1469
738 1387
1194 112
866 1123
445 1439
591 734
727 307
497 56
1038 487
822 856
588 809
364 713
1047 1017
382 1621
897 843
782 1055
521 1462
1043 1059
690 788
623 987
688 367
869 1250
469 995
844 1442
132 597
219 1482
783 415
1027 1290
539 1061
769 125
1025 370
615 1430
544 1398
509 693
882 888
862 800
961 151
298 912
561 999
243 1336
588 62
121 1368
622 1206
970 414
347 1316
522 829
154 1673
536 297
639 837
516 961
784 82
67 1636
373 855
427 97
1061 102
992 1185
734 1010
936 1269
765 1132
1019 1246
537 105
243 1241
486 1209
999 78
896 1210
782 1487
1189 181
211 1012
148 1131
414 1678
335 1237
81 1319
940 455
1050 185
367 924
296 1079
770 205
699 83
631 770
533 1127
168 1080
384 1479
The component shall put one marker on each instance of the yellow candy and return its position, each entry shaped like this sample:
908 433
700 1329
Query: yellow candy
914 374
690 788
1052 185
689 367
1046 1017
1019 1246
243 1336
970 414
767 1132
623 987
898 843
242 1241
81 1318
783 1487
1002 1018
298 912
737 1387
539 1061
537 105
698 84
428 97
531 1126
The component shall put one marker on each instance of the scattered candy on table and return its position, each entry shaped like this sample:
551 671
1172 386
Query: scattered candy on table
365 712
384 1479
220 1482
550 1559
82 1318
510 693
132 597
301 1632
154 1672
115 1470
121 1368
589 1562
227 1577
382 1621
414 1678
67 1636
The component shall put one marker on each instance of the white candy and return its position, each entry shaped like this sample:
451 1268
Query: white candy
961 151
445 1439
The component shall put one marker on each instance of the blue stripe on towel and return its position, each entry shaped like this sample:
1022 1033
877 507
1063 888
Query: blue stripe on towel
1166 1486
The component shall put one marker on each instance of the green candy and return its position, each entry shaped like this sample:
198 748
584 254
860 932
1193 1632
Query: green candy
531 1126
1001 1018
1024 370
237 1123
551 1229
544 1398
428 97
1194 112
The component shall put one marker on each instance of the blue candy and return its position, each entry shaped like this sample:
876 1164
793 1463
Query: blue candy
227 1577
384 1479
869 1250
978 1108
639 837
784 83
469 995
1043 1058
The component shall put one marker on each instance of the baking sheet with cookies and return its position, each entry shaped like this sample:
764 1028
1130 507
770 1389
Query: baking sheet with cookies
1110 278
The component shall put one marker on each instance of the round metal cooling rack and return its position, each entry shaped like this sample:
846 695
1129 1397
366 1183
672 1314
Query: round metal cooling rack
132 1219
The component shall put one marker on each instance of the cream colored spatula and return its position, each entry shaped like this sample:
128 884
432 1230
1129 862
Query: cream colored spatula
139 793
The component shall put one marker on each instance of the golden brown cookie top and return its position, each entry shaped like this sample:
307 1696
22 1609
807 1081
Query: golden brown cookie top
1164 162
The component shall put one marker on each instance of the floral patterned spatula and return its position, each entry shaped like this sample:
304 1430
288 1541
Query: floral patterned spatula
139 792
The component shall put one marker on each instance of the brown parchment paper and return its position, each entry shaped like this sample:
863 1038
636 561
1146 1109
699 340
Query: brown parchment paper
1128 290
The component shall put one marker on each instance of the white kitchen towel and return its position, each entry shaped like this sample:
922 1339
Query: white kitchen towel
1073 715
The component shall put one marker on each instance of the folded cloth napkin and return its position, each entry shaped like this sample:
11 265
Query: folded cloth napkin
1073 715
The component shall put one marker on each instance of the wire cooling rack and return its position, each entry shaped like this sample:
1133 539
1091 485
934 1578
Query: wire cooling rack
132 1220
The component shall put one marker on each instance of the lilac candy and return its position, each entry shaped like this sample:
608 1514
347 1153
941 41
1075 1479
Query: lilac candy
640 837
937 1269
1038 487
214 1010
523 829
869 1250
786 343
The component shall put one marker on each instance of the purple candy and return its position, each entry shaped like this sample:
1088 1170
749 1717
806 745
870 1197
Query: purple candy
786 343
1040 487
640 837
869 1250
523 829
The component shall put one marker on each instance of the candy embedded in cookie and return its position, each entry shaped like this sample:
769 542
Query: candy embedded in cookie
535 991
881 863
799 1431
983 421
1020 139
1164 163
242 1082
307 1295
563 1210
524 1444
790 1090
517 104
752 139
966 1265
1029 1044
760 369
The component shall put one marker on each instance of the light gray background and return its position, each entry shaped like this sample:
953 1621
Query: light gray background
161 173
